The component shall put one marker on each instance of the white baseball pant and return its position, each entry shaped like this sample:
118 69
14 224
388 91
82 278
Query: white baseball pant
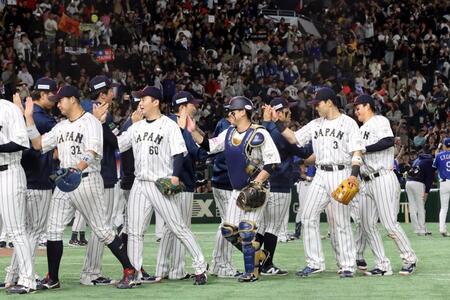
170 248
223 250
444 194
12 211
144 198
415 191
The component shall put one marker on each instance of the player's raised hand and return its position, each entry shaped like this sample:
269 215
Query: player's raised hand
267 113
29 105
190 124
18 102
182 119
100 111
137 116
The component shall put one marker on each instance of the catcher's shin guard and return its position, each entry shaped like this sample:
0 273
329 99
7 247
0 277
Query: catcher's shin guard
247 232
231 234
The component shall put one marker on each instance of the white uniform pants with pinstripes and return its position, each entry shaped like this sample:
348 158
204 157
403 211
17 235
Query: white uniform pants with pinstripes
92 268
319 196
37 203
223 250
88 199
144 198
415 191
360 237
171 255
12 210
235 215
274 213
302 191
444 194
79 223
382 194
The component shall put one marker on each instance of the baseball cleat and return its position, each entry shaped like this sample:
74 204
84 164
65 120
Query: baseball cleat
201 279
361 264
5 285
2 244
307 271
445 234
50 284
11 245
407 269
74 243
20 289
129 279
346 274
82 242
102 281
147 278
42 246
378 272
272 270
247 277
229 274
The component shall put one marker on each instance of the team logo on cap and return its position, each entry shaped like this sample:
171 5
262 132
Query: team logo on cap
248 107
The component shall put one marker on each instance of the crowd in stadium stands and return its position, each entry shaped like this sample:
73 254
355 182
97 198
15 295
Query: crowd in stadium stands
397 51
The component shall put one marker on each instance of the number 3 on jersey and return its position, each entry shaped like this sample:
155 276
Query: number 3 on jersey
153 150
335 145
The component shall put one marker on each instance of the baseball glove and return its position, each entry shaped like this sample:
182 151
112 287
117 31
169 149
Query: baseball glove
67 180
345 192
252 196
166 187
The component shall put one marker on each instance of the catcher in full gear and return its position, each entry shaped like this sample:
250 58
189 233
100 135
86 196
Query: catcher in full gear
251 156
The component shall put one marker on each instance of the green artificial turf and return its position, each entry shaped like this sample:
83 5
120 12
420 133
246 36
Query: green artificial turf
431 280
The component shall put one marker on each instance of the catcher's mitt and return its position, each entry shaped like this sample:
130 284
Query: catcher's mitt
67 180
252 196
345 192
166 187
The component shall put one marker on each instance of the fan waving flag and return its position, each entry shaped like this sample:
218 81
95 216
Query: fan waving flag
69 25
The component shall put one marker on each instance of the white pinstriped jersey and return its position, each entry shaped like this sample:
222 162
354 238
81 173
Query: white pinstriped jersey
333 141
375 129
154 145
74 139
12 129
267 153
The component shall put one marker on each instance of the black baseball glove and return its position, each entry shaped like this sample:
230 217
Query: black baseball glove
252 196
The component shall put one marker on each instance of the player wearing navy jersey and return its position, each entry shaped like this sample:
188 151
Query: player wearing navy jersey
442 164
246 146
418 185
281 183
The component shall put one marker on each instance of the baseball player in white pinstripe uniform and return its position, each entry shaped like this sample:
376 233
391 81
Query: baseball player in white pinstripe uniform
79 140
185 105
381 189
245 146
14 139
38 167
158 149
337 145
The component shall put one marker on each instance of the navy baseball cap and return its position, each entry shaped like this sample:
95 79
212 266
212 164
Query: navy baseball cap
240 102
184 97
66 91
100 82
280 103
45 84
364 99
150 91
447 142
324 94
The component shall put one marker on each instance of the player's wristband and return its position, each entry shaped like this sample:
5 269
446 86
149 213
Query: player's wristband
88 158
281 126
355 170
32 132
